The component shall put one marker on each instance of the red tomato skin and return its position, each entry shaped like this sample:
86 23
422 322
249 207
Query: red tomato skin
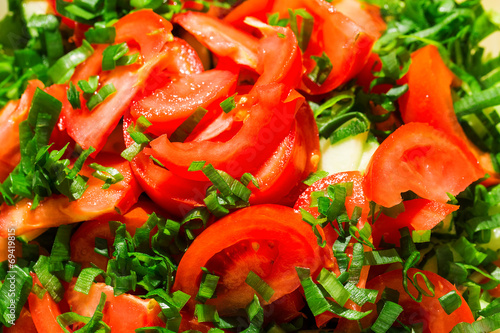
24 324
57 210
422 159
221 38
429 311
433 103
124 313
419 214
265 228
169 106
44 311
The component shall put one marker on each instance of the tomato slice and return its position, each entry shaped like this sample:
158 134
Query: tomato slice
44 311
143 28
270 240
169 106
419 158
221 38
269 122
419 214
124 313
433 103
24 324
429 311
365 15
58 210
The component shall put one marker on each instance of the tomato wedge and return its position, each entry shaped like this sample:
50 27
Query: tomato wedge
419 214
44 311
270 240
24 324
419 158
169 106
433 104
143 28
58 210
124 313
429 311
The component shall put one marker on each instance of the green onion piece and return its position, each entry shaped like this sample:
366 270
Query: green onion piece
86 279
485 325
314 177
63 69
49 281
421 236
477 101
43 104
469 252
207 287
89 87
255 314
382 257
333 286
304 34
216 178
132 151
111 54
73 96
98 98
183 131
246 178
156 329
107 174
361 296
127 60
196 166
322 69
101 35
450 302
101 247
259 285
347 313
14 294
274 20
213 205
206 313
390 312
60 248
228 104
358 258
314 297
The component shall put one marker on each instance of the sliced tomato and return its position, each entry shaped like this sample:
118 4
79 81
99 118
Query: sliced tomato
365 15
419 214
24 324
124 313
221 38
58 210
44 311
83 240
419 158
270 240
429 100
169 106
145 29
269 122
429 311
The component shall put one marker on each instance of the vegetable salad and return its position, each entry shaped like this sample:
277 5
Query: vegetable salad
249 166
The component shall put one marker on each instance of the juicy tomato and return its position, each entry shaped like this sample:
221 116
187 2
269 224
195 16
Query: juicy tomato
268 123
348 52
419 214
57 210
143 28
419 158
124 313
83 240
270 240
44 311
429 311
221 38
365 15
24 324
169 106
433 104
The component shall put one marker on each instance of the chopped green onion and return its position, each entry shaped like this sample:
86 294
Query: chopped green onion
206 313
322 69
246 178
389 314
259 285
314 177
14 293
101 247
382 257
60 248
64 67
314 297
73 96
101 35
86 279
450 302
111 55
207 287
304 33
333 286
49 281
107 174
361 296
358 258
98 98
228 104
183 131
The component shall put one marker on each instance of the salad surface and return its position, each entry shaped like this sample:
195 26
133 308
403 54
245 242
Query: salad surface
249 166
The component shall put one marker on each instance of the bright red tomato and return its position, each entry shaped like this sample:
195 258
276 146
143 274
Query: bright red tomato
433 103
419 214
419 158
124 313
429 311
269 240
58 210
145 29
24 324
